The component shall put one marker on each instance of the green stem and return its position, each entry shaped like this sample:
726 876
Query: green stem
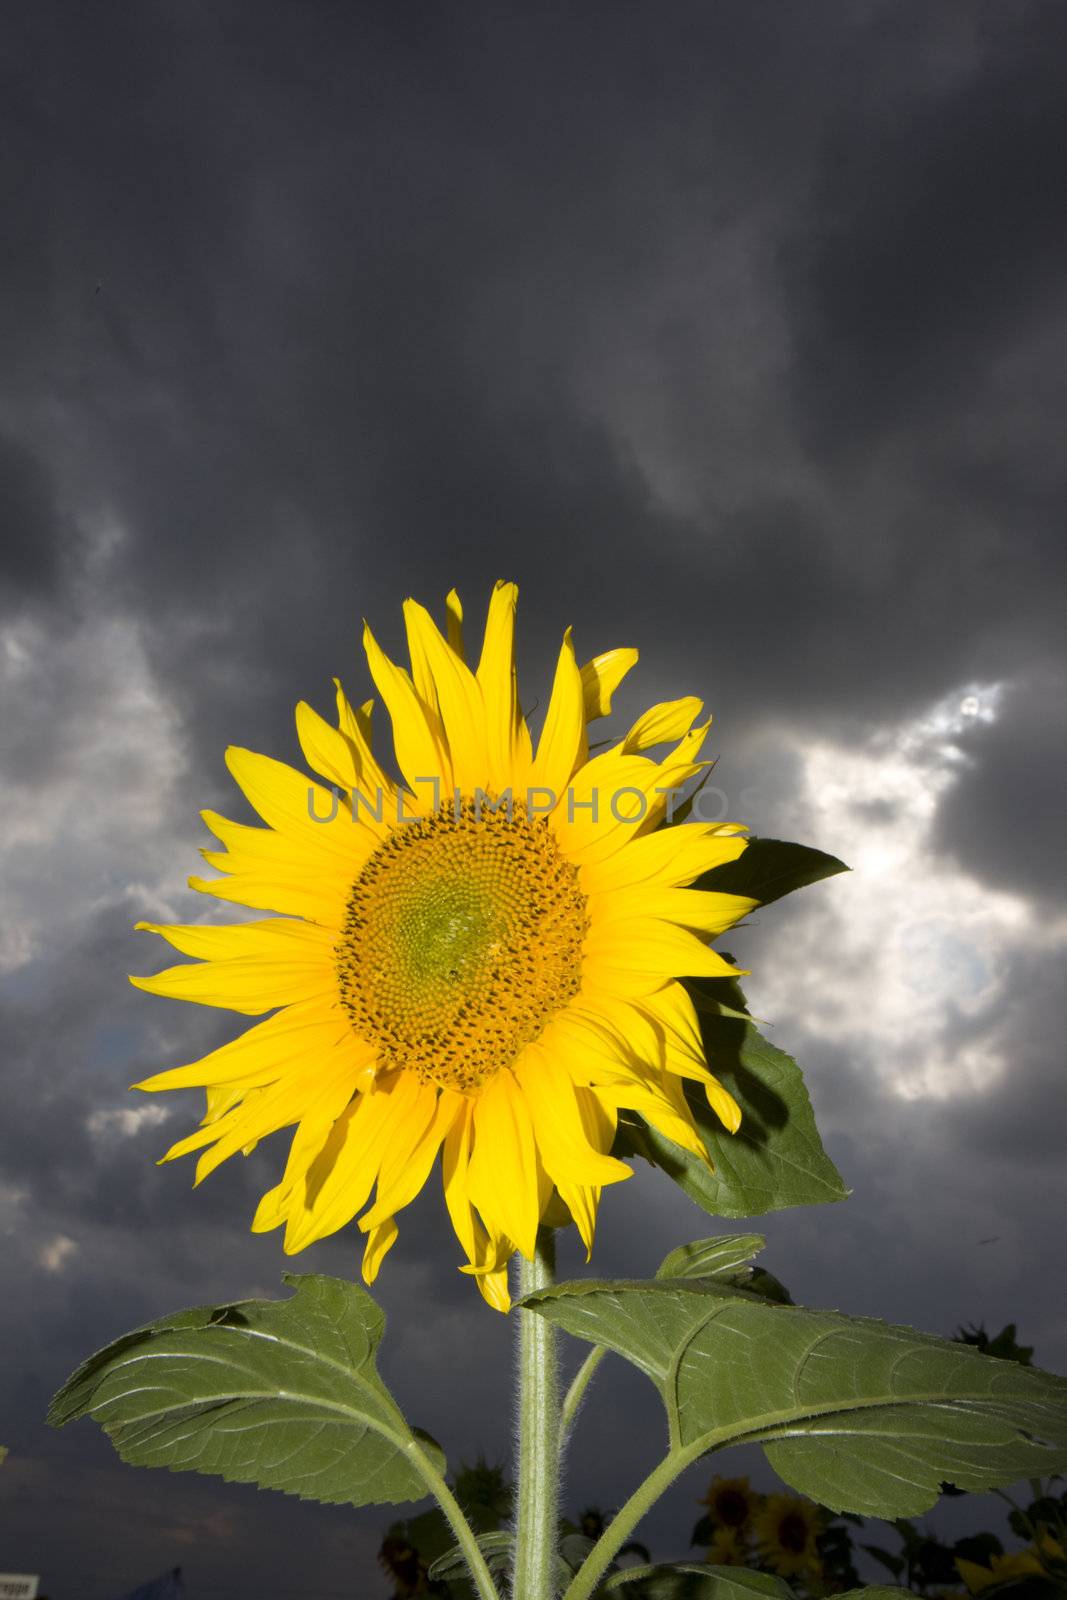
481 1577
534 1576
576 1393
619 1529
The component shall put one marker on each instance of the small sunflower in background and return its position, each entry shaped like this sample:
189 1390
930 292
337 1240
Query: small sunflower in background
786 1530
731 1502
480 957
404 1567
1024 1563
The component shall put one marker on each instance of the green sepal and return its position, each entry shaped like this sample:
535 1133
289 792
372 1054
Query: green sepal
281 1393
497 1548
776 1158
859 1415
767 869
725 1256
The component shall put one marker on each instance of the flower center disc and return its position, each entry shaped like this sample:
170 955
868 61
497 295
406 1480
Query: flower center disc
463 935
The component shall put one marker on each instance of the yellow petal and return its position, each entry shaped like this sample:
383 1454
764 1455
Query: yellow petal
655 1033
251 986
263 1053
459 697
583 1203
560 1134
326 750
324 1105
290 802
408 1162
267 889
342 1177
562 745
663 724
503 1166
374 802
455 1160
493 1287
600 679
616 798
420 750
267 1110
379 1242
421 670
280 938
454 623
673 1010
706 911
280 872
507 736
653 1104
668 858
652 950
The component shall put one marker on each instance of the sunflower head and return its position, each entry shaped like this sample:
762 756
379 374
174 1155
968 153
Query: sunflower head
403 1566
787 1530
1023 1563
731 1502
475 955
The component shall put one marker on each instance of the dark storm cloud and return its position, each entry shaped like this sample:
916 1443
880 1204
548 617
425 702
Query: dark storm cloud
29 547
738 337
935 235
1004 819
323 297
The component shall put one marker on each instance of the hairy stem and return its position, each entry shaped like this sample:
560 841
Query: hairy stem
534 1575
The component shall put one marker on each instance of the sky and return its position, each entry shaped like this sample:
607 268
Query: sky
734 332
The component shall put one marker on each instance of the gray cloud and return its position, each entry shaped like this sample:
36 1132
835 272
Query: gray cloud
1004 820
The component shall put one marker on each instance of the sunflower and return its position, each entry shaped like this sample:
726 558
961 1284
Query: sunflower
480 958
1022 1563
787 1531
731 1502
403 1565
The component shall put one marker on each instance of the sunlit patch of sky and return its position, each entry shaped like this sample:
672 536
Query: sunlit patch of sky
125 1121
88 714
907 956
55 1254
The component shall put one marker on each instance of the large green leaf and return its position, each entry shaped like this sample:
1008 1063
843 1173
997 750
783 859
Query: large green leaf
281 1393
767 869
860 1415
776 1158
725 1258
